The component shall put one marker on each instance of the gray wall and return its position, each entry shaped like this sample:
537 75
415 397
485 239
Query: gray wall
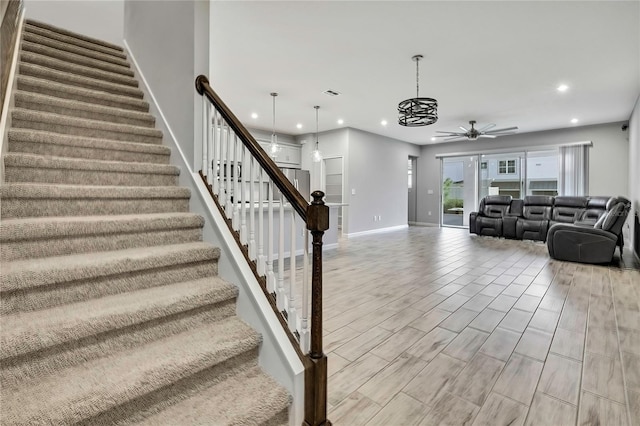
608 168
101 19
634 167
169 41
378 173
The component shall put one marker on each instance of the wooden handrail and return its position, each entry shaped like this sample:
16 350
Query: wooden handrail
316 218
279 179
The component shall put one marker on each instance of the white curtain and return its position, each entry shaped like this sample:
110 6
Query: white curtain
573 170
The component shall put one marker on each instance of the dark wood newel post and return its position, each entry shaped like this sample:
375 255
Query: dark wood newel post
315 410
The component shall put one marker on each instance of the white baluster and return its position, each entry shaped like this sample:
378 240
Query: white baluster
205 129
261 230
281 296
305 334
215 163
292 314
243 194
252 210
228 208
222 195
271 278
236 192
211 177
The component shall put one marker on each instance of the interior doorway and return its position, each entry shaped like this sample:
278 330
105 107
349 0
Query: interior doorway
411 187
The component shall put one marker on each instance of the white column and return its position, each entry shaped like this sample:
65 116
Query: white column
292 316
281 296
271 278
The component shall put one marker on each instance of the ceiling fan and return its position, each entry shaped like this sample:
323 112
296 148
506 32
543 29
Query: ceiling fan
472 134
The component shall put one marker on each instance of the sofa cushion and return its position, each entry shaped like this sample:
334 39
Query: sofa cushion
495 205
596 207
537 207
568 209
612 217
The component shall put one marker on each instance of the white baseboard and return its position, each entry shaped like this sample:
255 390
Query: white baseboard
7 105
377 231
426 224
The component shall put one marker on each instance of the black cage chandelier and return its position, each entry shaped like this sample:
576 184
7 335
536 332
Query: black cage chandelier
417 111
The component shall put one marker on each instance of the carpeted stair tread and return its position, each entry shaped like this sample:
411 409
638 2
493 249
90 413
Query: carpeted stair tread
52 75
40 84
81 392
39 161
33 23
29 27
247 398
20 167
37 120
78 109
60 145
30 238
25 274
28 332
63 48
70 67
37 200
37 228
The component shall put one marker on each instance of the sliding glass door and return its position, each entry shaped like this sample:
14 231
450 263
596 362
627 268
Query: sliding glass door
459 189
502 174
468 179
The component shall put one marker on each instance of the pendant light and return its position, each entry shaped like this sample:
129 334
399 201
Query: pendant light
417 111
274 147
316 155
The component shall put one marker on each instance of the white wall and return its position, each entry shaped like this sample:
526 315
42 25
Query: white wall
634 172
101 19
608 165
169 41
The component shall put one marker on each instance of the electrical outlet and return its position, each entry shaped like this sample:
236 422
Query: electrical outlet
379 218
375 218
429 213
429 191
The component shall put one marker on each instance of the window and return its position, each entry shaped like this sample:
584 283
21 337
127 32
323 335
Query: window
410 174
483 165
507 167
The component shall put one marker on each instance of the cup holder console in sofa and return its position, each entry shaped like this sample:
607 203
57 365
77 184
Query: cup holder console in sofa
578 229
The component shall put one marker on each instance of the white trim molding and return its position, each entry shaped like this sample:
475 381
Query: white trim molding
377 231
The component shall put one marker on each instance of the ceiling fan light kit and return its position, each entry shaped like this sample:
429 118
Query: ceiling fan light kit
473 134
417 111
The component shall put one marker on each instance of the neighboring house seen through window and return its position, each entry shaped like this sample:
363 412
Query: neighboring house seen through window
506 167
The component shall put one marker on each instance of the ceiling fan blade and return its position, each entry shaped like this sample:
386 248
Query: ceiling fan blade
451 133
487 127
453 138
488 136
463 129
506 129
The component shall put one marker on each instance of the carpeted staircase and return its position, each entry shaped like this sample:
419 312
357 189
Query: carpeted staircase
111 308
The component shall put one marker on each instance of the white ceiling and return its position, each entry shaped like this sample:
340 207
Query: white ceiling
490 61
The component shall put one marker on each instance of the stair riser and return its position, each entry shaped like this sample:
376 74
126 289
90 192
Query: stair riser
28 28
59 65
13 207
32 249
88 132
76 291
78 81
69 92
63 48
54 107
38 365
135 411
92 153
86 177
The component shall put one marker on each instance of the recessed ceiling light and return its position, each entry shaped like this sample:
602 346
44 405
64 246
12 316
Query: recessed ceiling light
433 139
562 88
299 125
254 115
341 121
574 120
383 122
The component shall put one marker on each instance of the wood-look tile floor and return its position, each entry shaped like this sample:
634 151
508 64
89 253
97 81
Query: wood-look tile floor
431 326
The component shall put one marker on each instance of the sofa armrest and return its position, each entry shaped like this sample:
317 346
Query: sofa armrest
580 244
472 222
